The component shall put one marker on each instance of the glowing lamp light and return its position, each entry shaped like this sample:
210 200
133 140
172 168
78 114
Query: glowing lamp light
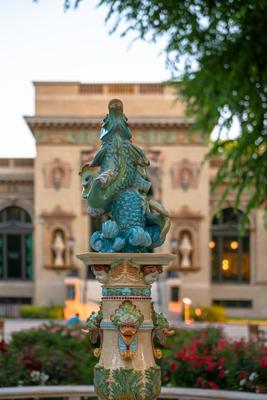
198 312
234 245
186 300
212 244
225 264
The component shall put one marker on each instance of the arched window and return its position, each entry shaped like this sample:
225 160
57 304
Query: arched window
229 249
15 244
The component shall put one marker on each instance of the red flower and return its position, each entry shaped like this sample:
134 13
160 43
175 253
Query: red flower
222 344
173 366
165 377
220 362
181 354
221 373
210 366
2 346
242 374
264 362
213 385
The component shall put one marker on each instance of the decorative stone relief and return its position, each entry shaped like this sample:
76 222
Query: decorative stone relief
57 174
184 175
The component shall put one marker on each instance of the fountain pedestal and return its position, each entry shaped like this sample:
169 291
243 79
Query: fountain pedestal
127 324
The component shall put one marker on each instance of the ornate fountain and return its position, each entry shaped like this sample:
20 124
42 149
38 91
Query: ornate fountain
126 327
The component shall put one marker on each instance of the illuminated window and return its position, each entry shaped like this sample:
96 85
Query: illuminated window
15 244
229 250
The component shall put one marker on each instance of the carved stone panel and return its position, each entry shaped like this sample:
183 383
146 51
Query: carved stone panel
184 175
57 174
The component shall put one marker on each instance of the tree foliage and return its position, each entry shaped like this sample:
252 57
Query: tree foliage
216 52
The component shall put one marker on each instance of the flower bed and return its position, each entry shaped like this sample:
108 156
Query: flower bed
204 359
60 355
51 355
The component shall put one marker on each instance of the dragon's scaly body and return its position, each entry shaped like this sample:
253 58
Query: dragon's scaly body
119 191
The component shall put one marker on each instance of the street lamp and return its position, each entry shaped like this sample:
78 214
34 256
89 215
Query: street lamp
187 302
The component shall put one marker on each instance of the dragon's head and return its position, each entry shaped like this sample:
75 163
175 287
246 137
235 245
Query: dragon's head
115 122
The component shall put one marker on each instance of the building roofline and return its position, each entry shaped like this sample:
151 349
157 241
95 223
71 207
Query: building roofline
98 83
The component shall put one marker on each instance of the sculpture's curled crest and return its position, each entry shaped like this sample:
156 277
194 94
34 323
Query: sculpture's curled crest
119 191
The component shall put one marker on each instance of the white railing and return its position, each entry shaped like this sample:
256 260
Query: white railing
76 392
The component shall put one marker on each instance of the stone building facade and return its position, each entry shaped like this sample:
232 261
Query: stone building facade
41 211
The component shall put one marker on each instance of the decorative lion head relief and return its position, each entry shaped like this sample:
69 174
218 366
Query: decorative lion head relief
101 272
57 174
185 175
127 318
151 273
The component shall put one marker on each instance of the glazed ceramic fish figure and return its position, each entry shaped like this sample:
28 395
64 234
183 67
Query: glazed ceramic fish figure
119 191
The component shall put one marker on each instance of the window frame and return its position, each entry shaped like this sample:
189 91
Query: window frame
21 227
221 230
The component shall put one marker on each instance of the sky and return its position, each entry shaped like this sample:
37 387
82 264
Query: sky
42 42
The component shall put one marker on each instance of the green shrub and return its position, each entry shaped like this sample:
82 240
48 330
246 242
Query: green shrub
209 314
50 355
61 355
52 312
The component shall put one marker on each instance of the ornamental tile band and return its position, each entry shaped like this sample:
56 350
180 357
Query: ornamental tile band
126 291
110 325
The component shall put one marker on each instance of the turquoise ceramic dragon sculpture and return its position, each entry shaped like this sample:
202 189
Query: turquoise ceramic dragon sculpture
134 223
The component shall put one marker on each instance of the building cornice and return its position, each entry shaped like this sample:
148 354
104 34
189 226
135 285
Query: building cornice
95 122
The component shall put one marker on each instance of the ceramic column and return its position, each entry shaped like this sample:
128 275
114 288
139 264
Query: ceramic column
126 325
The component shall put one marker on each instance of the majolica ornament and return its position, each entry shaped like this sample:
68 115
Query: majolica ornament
94 330
160 331
128 319
126 325
119 191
